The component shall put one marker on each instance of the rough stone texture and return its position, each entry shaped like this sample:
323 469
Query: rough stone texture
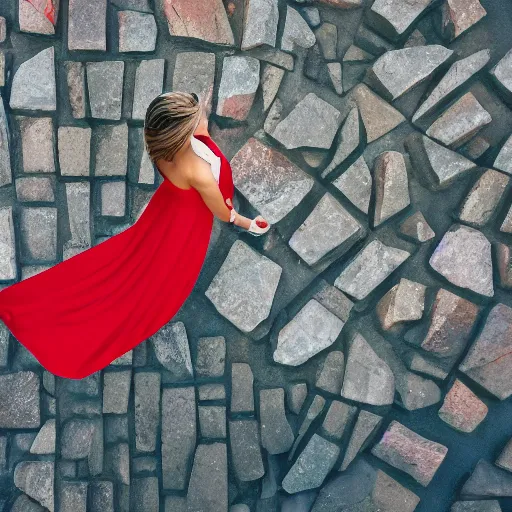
368 379
313 329
238 85
501 72
484 197
39 233
391 186
330 375
505 459
504 262
417 227
463 257
147 409
113 198
356 184
338 417
378 116
211 357
37 144
212 421
116 391
503 161
269 181
111 149
458 74
19 395
312 123
35 478
398 71
8 245
296 396
276 433
487 481
33 85
149 79
137 31
329 227
260 24
75 78
408 451
403 303
3 29
87 25
74 144
245 450
296 31
488 359
33 21
105 84
460 15
270 82
178 435
202 20
312 465
462 409
506 226
460 122
242 397
370 267
476 506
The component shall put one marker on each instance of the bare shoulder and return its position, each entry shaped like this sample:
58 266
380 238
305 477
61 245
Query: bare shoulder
199 175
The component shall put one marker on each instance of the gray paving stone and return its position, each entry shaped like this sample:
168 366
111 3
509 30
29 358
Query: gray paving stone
137 31
313 329
296 31
72 496
327 36
149 80
501 72
260 24
503 161
415 39
242 395
397 72
503 261
117 462
3 29
39 233
144 494
74 143
336 74
356 54
33 85
487 481
178 436
147 409
272 77
116 391
36 479
245 450
212 421
34 189
19 394
372 265
459 16
212 392
75 78
211 357
330 373
105 85
296 396
175 504
476 506
417 227
463 257
338 417
78 198
5 156
111 141
356 184
37 143
87 25
113 198
458 74
276 433
371 42
504 461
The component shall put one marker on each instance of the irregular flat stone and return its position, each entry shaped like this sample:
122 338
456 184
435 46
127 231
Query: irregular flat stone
250 286
488 359
415 39
3 29
296 31
207 21
371 42
348 142
147 409
313 329
503 161
406 450
78 197
137 31
476 506
179 431
393 17
483 199
212 421
111 141
149 81
442 164
242 380
245 450
501 72
171 347
208 487
330 374
506 227
8 268
19 394
33 85
327 37
462 409
378 116
33 21
356 54
296 396
504 262
364 430
403 303
74 150
211 356
312 123
356 184
39 233
37 144
270 82
460 122
368 379
239 81
276 433
5 155
476 147
372 265
338 416
417 227
312 466
391 186
399 71
458 74
260 23
487 481
459 16
116 391
504 461
336 74
75 77
463 257
87 25
329 227
105 84
36 479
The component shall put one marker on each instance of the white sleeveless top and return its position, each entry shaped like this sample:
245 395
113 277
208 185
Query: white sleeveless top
202 150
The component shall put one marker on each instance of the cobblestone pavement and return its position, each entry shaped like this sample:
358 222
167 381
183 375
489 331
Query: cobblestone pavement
358 358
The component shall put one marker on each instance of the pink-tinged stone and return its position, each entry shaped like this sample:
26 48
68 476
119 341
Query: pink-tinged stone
206 20
270 182
408 451
462 409
504 261
459 15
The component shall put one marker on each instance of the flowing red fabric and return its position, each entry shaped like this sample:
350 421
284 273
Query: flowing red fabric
79 315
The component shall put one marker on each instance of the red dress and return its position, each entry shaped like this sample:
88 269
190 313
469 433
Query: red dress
79 315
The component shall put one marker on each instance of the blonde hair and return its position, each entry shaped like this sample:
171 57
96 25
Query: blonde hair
170 121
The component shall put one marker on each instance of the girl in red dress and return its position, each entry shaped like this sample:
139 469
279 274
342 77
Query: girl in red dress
79 315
